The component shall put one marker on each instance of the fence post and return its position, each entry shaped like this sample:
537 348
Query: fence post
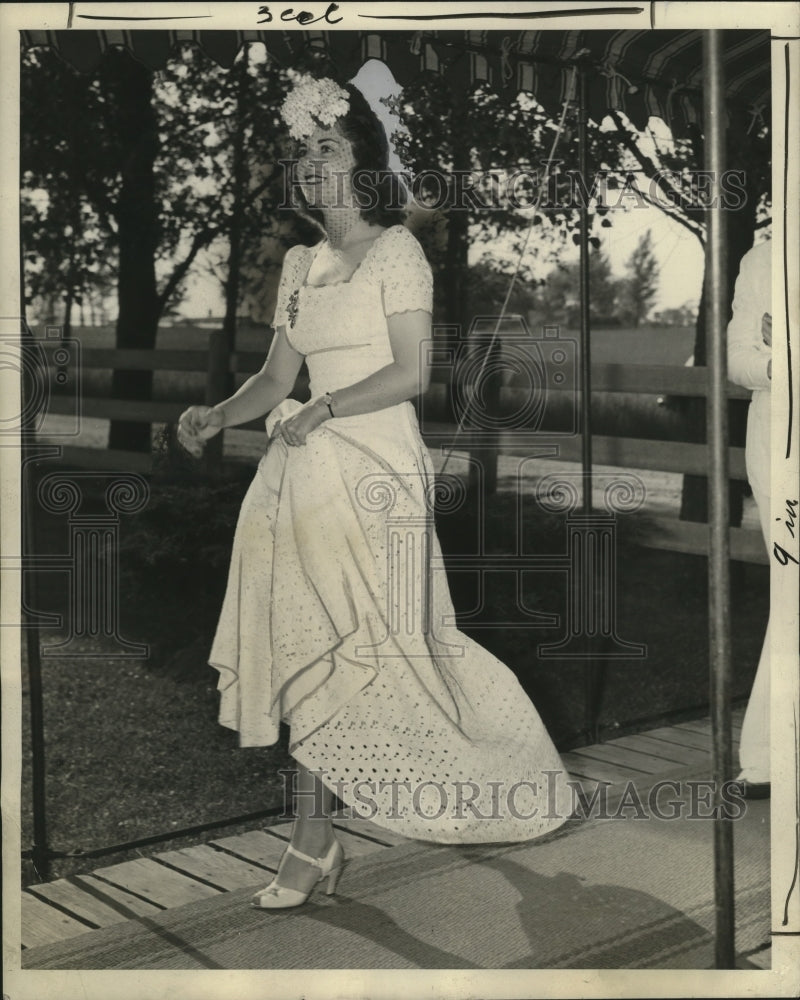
216 390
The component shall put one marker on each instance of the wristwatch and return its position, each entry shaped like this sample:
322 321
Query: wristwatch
327 399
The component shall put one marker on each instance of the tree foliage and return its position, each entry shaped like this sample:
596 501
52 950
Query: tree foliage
220 147
558 299
638 289
488 290
684 315
67 239
503 146
129 177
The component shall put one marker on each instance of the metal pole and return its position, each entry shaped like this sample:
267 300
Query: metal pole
594 671
719 558
586 371
40 852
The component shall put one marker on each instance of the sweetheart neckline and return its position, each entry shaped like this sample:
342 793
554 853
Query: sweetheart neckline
344 281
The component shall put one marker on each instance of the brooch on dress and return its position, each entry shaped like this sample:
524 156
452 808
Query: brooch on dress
291 307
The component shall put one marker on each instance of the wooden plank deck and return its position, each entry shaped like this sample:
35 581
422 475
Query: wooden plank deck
115 898
678 755
218 869
43 924
66 907
84 904
682 738
150 880
258 847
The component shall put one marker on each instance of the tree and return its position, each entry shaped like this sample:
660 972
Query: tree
484 145
136 145
674 170
62 270
558 299
487 289
97 156
146 181
683 315
640 286
67 245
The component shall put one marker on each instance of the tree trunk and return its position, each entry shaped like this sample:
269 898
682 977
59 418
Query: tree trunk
137 323
221 384
232 285
694 497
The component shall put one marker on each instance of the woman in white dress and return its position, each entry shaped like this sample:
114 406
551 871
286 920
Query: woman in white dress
337 617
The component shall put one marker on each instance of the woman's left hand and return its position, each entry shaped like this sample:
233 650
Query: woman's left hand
295 429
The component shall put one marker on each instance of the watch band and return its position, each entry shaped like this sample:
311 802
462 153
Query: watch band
328 400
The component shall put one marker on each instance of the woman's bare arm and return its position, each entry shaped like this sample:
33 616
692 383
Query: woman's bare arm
263 391
406 377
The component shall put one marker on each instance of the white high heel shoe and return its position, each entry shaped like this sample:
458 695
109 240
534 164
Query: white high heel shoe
279 897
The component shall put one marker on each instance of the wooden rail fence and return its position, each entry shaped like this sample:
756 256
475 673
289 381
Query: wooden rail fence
620 452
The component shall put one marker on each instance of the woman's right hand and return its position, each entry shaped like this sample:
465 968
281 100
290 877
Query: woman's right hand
766 329
196 426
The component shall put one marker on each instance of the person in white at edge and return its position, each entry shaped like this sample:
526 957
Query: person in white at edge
750 365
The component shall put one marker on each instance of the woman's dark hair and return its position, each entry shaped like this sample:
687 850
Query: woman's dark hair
378 191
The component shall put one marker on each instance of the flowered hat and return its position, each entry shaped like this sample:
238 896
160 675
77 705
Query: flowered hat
312 102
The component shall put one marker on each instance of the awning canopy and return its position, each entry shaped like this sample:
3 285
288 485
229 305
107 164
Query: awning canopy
641 73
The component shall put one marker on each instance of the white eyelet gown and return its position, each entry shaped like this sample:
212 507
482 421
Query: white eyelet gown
337 617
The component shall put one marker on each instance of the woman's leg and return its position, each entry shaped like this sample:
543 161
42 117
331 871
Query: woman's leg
313 830
312 833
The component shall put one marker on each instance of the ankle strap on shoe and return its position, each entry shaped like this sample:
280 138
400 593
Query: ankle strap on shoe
319 862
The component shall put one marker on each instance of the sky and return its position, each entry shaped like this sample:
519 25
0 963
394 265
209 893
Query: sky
679 253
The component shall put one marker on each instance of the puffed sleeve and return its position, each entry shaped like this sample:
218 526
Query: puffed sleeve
406 277
748 355
290 281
